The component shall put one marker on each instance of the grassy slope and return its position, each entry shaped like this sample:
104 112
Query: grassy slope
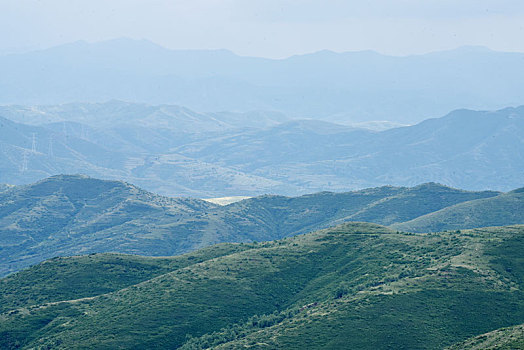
70 215
509 338
455 296
365 287
67 278
504 209
272 217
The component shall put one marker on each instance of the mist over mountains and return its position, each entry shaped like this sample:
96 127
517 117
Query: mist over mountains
339 87
172 150
199 198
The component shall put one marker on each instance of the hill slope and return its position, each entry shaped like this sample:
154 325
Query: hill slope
502 209
70 215
124 141
464 149
84 276
382 205
175 151
503 339
360 285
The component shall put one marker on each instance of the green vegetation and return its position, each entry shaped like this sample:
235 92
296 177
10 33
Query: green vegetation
353 286
72 215
67 278
503 209
509 338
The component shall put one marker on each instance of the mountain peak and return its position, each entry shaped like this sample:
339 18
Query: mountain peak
473 48
432 186
125 42
77 185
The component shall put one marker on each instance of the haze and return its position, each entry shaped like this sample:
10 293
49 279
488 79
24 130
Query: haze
268 28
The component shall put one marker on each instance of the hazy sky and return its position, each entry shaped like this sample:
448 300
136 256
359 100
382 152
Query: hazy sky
270 28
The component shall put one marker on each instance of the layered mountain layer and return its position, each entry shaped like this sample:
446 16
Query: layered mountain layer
174 151
71 215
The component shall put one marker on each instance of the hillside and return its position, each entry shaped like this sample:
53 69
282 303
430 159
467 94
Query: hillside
502 209
503 339
382 205
125 141
85 276
356 285
464 149
71 215
174 151
114 113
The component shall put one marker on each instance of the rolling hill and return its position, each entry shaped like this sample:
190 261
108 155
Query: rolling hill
504 339
71 215
465 149
127 152
355 285
382 205
174 151
507 207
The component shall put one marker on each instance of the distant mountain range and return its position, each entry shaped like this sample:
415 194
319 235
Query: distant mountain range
118 140
340 87
71 215
174 151
354 286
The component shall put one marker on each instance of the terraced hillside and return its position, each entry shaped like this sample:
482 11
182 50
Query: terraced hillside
71 215
352 286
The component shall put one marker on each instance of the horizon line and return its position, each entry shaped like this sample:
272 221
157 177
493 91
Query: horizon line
320 51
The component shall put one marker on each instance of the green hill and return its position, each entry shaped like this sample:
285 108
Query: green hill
71 215
352 286
509 338
84 276
382 205
504 209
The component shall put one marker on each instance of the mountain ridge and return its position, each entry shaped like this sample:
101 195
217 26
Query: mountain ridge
175 151
71 215
505 207
342 82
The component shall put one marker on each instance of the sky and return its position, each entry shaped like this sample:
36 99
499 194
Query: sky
268 28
